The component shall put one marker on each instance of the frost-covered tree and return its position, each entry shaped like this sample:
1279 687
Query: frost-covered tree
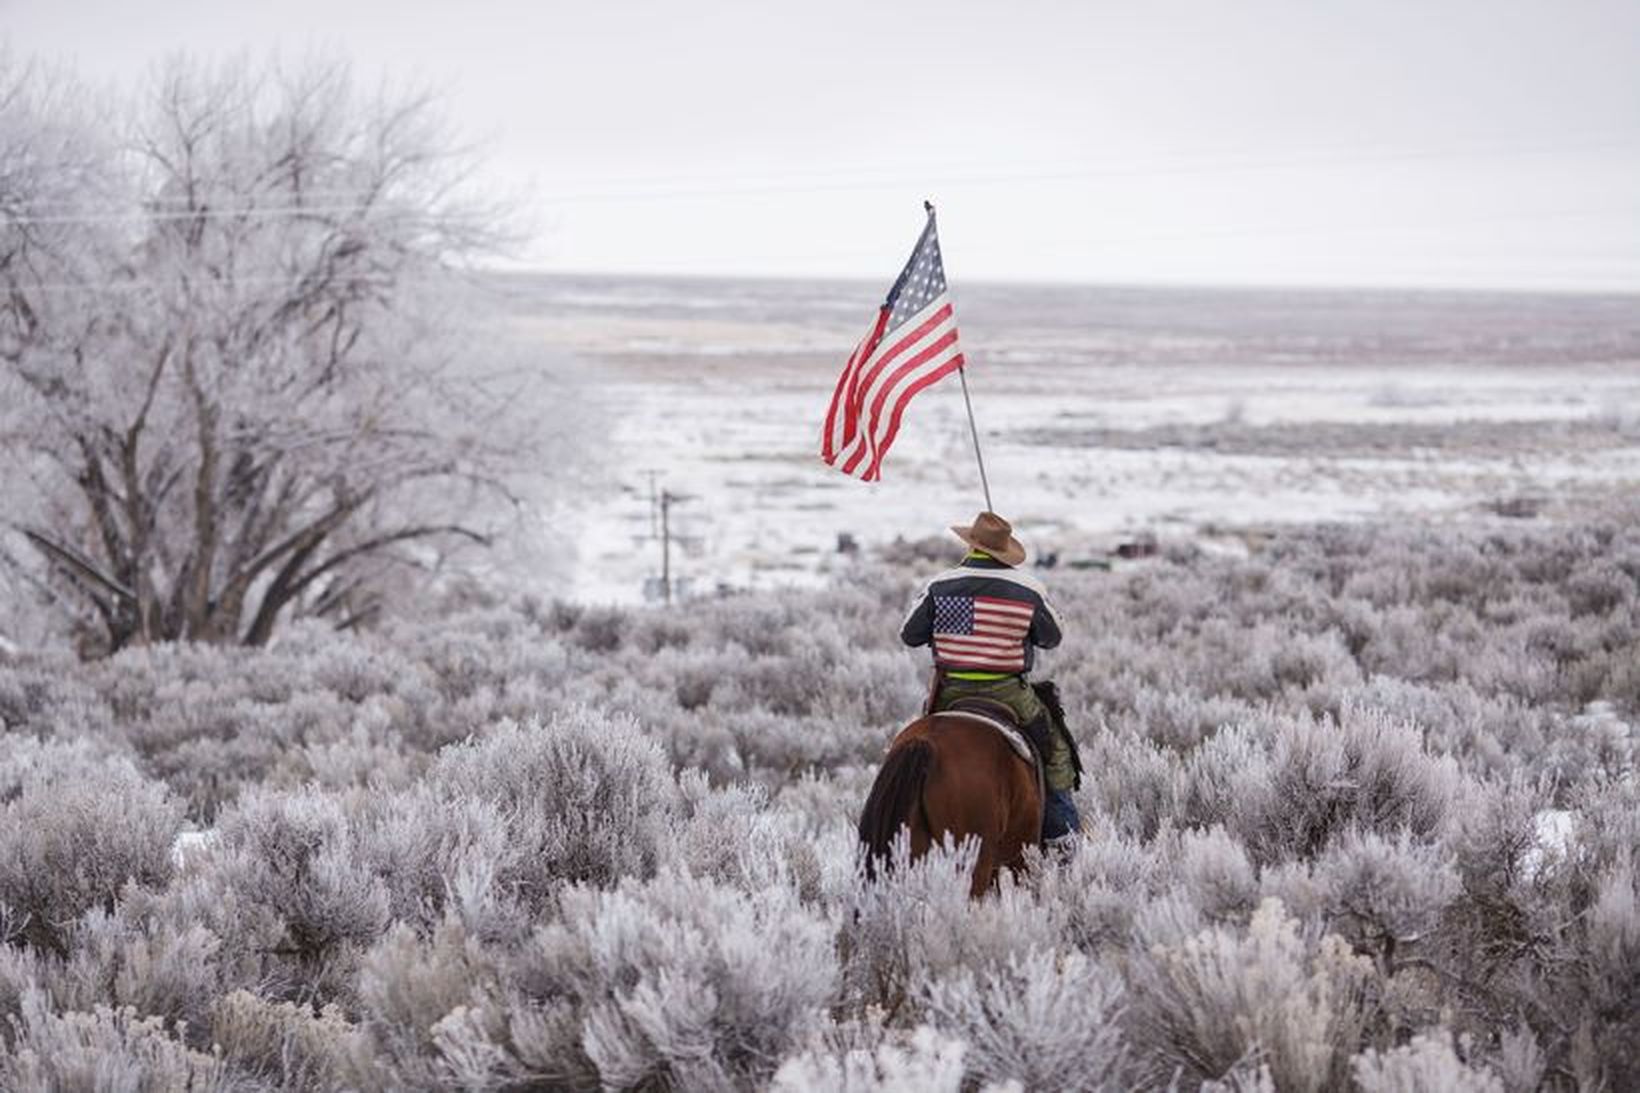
230 391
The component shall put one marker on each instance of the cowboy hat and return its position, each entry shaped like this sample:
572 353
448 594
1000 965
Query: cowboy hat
993 535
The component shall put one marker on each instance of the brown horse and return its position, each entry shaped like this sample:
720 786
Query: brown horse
949 773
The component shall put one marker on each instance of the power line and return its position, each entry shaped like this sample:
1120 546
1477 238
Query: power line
140 283
271 212
816 182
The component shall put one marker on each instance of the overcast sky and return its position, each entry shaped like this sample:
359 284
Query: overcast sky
1485 144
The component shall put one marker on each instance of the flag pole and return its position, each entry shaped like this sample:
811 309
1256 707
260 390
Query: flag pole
962 373
973 430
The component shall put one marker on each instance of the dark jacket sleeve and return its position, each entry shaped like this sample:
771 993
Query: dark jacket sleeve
1045 632
918 628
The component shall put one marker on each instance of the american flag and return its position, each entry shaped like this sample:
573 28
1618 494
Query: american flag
984 632
911 345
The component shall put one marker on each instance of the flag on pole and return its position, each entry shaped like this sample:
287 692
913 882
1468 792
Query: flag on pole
911 346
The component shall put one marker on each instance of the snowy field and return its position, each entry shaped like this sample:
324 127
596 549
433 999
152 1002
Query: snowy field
1105 413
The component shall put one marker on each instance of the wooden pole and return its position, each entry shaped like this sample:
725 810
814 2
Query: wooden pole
973 430
666 547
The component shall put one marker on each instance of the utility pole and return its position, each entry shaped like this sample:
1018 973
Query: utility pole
666 546
654 503
667 500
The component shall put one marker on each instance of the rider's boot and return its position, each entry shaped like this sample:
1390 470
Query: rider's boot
1061 826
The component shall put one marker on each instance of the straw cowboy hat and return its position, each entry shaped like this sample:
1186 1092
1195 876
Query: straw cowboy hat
994 535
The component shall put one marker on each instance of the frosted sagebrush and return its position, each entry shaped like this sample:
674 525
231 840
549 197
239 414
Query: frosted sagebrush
917 923
101 1049
585 797
430 1008
1207 1002
1044 1021
1291 787
923 1061
286 1045
680 979
76 832
1386 896
1426 1065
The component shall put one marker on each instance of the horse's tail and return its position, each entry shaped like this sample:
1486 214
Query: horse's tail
896 796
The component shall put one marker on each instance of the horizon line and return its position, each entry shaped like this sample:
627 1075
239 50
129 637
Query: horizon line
1183 285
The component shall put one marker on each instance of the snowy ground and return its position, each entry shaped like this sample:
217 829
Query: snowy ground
1104 413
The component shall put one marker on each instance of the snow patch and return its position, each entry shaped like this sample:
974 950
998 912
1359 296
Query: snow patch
1553 829
193 845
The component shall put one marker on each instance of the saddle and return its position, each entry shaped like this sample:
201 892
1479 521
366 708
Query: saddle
1025 742
1030 742
1036 734
1029 749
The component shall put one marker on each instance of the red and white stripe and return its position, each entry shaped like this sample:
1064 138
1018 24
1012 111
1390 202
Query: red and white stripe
882 375
998 641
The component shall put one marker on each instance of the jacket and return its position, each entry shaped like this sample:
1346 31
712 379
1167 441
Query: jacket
983 616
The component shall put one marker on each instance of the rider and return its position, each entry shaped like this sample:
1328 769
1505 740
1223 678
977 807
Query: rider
983 618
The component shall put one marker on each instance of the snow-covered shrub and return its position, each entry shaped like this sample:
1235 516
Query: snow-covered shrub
81 1052
21 970
1214 869
917 922
430 1011
922 1061
586 797
1180 719
680 980
51 694
1208 1002
1099 892
733 836
829 799
1596 587
74 831
1595 745
1426 1065
296 858
1382 894
1519 1060
286 1045
1134 782
370 754
600 629
1614 940
151 967
440 855
1046 1021
1494 833
1320 778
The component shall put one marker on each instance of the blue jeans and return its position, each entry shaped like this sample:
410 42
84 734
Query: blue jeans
1059 815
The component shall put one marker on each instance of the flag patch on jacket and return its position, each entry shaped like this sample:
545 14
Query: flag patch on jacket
981 632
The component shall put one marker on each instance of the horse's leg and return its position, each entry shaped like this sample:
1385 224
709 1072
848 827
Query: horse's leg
985 870
1024 817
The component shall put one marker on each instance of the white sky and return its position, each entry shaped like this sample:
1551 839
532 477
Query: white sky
1489 144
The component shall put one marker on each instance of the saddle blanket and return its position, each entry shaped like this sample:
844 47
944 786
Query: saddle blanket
1011 734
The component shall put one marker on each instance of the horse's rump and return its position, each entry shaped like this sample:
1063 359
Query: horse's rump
959 775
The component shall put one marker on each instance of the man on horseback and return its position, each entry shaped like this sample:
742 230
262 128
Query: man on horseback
985 619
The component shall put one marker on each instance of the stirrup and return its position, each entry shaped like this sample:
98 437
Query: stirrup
1063 846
